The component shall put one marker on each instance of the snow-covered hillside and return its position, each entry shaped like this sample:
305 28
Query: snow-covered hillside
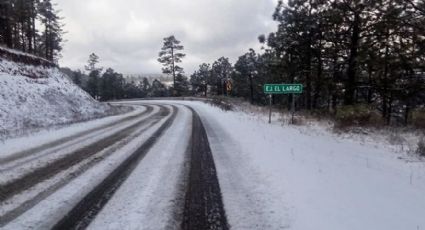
33 97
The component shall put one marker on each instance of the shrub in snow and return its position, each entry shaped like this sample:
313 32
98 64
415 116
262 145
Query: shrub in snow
421 147
357 115
320 113
298 120
221 103
396 139
418 118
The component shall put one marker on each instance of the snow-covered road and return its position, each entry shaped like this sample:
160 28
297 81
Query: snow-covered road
160 167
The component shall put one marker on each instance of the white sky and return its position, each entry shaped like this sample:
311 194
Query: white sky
127 34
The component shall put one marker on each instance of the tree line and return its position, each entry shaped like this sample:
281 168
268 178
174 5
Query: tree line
110 85
31 26
345 53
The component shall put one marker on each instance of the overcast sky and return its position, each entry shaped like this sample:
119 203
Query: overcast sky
127 34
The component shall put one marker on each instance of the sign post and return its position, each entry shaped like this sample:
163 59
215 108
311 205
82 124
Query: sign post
293 109
283 89
270 104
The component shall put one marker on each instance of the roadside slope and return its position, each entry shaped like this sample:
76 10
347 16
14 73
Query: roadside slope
39 95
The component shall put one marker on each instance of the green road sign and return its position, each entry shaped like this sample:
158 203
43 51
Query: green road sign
283 88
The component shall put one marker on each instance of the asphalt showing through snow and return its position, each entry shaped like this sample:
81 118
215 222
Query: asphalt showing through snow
204 206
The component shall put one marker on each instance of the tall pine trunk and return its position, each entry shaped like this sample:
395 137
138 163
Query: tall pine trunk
46 34
173 69
308 76
251 87
350 86
319 74
8 26
334 90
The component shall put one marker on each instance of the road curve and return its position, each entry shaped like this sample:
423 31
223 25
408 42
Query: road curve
49 167
14 198
82 214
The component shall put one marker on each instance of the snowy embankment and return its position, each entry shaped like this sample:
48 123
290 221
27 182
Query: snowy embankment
33 97
288 177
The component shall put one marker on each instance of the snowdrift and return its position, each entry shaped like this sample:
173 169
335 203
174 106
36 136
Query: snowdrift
37 95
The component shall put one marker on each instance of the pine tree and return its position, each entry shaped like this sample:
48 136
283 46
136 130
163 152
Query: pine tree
107 86
182 85
77 78
92 62
93 83
245 72
6 36
146 86
18 20
158 89
170 56
51 38
220 73
200 79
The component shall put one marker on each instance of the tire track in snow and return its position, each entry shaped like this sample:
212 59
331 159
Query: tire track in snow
61 141
21 208
40 174
203 207
23 166
84 212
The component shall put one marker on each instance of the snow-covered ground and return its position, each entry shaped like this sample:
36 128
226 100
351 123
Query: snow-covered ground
33 97
272 176
285 177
